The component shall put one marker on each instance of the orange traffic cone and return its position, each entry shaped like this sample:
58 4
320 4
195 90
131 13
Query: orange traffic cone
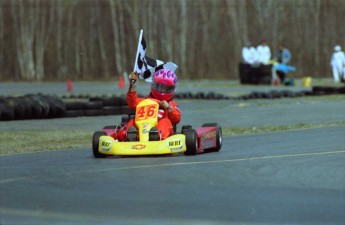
69 86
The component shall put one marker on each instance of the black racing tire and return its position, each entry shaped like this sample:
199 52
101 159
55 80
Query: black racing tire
185 127
6 112
191 141
74 105
93 112
74 113
92 105
125 110
199 95
52 108
275 94
341 90
39 105
17 106
27 107
210 95
95 144
57 105
111 101
111 110
219 137
122 100
265 80
288 94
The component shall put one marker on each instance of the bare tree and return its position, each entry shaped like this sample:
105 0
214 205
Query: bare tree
2 50
25 25
316 12
60 14
117 18
45 18
235 12
183 34
93 38
101 42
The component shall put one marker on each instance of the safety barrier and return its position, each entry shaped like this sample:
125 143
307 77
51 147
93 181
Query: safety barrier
39 106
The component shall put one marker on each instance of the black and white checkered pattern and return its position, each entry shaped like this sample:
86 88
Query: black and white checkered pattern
146 66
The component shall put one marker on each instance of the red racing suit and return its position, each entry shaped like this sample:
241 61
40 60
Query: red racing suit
165 123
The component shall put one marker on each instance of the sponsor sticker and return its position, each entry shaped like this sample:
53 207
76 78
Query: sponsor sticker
106 144
208 139
138 146
210 134
175 144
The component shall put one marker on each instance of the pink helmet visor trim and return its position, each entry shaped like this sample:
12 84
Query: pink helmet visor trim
166 77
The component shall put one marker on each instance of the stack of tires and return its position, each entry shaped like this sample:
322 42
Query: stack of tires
275 94
98 106
31 106
255 74
324 90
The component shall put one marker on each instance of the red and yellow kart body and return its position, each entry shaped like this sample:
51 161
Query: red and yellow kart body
189 141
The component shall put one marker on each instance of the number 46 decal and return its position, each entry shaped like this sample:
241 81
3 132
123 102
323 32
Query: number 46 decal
146 112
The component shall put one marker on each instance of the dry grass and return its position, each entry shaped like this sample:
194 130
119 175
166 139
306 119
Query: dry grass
266 129
13 142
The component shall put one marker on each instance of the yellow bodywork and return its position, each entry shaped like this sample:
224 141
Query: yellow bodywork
146 117
171 145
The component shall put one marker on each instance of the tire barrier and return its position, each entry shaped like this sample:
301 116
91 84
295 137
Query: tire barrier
255 74
31 106
38 106
324 90
274 95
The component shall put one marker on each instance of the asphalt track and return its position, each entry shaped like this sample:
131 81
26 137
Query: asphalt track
290 177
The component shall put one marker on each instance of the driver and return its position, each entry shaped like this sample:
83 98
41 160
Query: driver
163 86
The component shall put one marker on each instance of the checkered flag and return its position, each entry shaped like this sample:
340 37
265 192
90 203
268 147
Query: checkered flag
146 66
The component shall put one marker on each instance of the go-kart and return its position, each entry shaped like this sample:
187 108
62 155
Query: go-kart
189 141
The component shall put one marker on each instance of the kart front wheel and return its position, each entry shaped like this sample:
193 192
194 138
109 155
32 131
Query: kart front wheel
95 144
191 141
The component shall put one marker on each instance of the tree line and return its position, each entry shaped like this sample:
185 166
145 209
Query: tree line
97 39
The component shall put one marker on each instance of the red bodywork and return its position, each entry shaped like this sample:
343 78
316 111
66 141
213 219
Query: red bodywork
207 137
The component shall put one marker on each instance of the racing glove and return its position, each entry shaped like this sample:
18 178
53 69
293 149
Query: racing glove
133 80
165 105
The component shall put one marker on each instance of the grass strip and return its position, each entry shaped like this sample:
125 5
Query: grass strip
16 142
266 129
13 142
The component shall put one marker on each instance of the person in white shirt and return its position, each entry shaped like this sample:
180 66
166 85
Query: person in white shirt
263 53
338 64
249 54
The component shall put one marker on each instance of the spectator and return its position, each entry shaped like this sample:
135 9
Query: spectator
249 54
283 55
338 64
263 53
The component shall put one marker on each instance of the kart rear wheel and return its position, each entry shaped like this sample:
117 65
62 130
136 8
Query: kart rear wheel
191 141
95 144
219 137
